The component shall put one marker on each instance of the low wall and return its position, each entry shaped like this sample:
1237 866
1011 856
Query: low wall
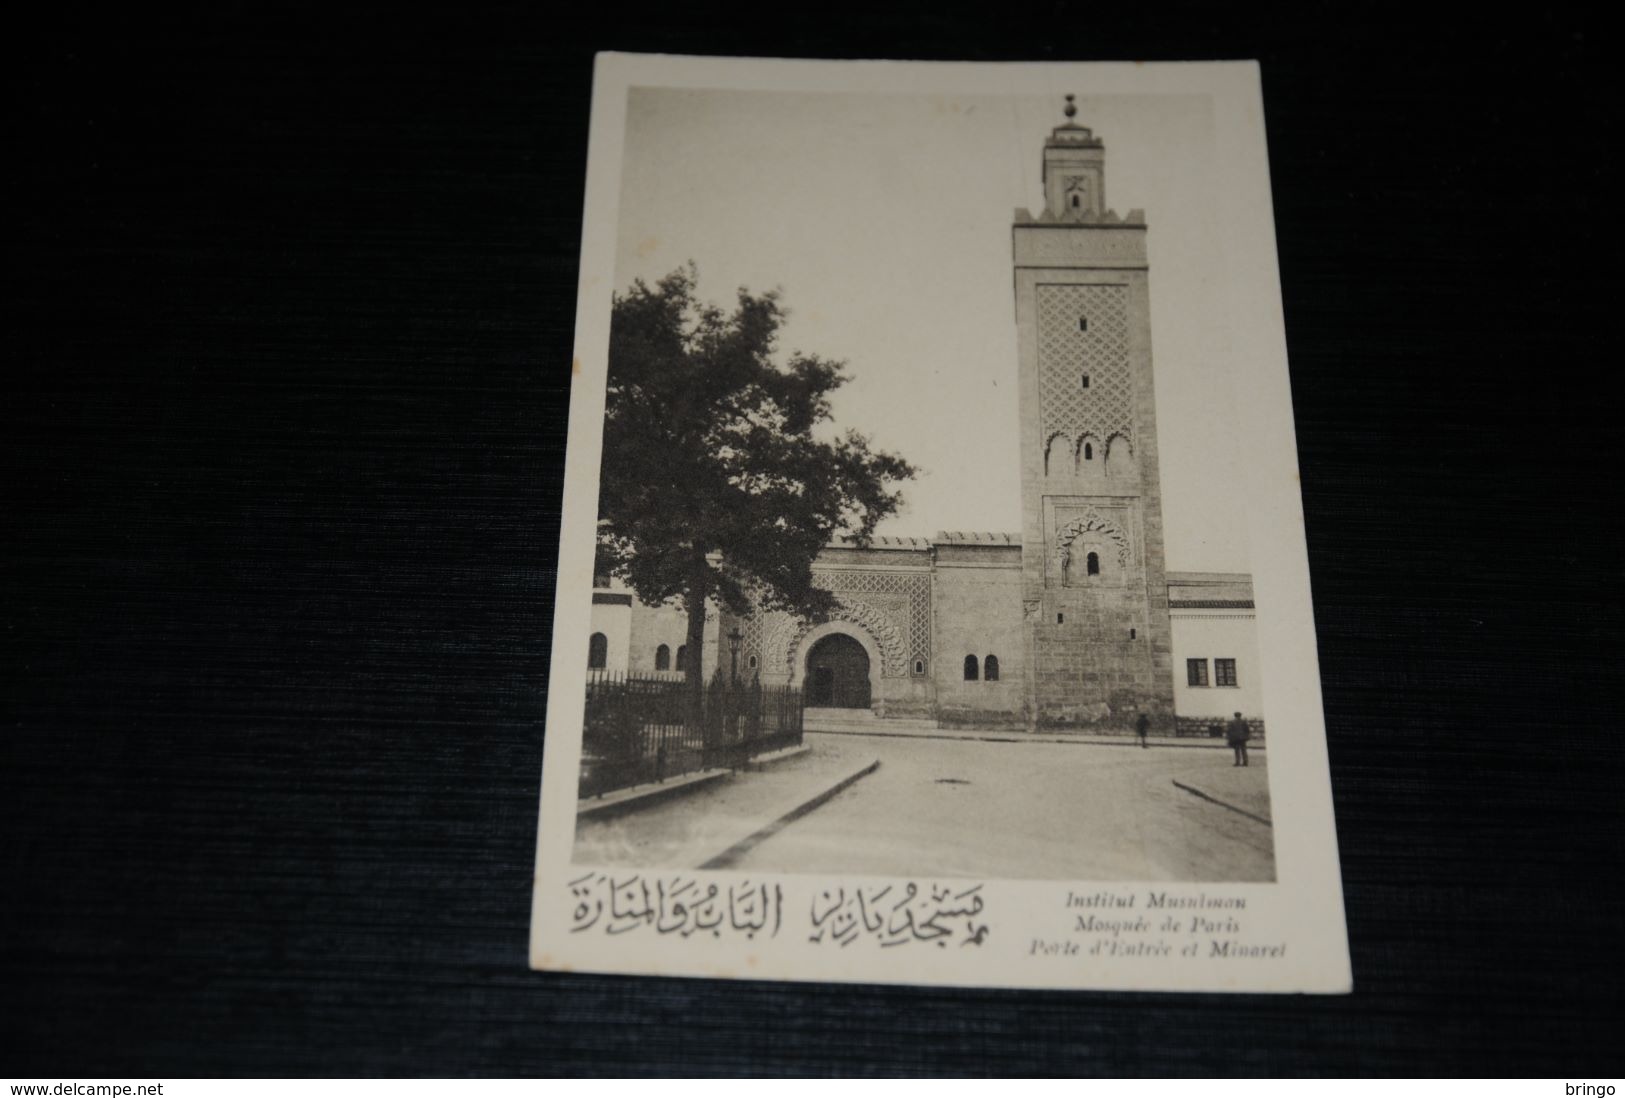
1209 726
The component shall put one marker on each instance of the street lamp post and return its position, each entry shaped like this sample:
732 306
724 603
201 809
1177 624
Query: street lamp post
733 651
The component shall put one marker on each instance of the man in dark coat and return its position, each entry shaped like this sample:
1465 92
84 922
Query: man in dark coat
1143 726
1238 734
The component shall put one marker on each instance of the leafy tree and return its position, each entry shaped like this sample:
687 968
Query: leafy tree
722 476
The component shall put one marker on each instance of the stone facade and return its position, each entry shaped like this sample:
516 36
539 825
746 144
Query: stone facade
978 584
1093 588
921 607
1073 622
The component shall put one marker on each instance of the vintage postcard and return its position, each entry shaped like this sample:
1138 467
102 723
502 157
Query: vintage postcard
933 599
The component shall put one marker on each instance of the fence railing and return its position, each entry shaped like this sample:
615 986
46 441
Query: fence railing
641 729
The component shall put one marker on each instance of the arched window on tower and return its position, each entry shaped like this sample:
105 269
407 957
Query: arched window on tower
1119 455
1058 456
597 652
682 657
662 658
1092 564
1088 451
970 669
990 668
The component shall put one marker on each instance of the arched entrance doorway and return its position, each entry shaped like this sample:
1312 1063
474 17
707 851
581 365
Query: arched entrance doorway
838 673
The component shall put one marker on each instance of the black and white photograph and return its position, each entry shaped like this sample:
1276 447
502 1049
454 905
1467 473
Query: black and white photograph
914 559
775 541
922 523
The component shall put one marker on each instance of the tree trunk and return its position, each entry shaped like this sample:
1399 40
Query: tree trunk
698 588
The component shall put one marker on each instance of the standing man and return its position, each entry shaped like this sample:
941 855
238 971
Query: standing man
1239 734
1143 726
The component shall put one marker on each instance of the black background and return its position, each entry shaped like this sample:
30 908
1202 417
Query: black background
291 325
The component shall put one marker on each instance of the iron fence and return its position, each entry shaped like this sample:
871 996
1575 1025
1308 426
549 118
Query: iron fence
647 729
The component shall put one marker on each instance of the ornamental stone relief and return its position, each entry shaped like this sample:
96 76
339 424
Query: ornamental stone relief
778 629
879 625
752 644
907 599
1092 521
1083 333
893 607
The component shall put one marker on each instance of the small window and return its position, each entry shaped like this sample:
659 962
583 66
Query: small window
682 657
662 658
990 669
1074 202
1133 634
1196 672
970 669
1083 381
1060 619
1224 672
919 667
1083 324
1092 564
597 652
751 663
1088 451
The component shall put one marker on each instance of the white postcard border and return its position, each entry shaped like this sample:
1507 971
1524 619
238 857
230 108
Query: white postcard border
1302 911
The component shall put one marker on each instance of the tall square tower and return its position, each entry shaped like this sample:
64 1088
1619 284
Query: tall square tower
1094 589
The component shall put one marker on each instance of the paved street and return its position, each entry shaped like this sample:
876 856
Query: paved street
970 808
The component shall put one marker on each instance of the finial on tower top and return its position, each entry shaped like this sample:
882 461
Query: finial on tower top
1069 133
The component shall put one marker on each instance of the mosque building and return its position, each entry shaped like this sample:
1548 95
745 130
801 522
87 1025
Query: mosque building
1073 622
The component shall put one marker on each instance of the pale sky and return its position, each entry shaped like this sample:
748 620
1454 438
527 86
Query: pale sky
885 220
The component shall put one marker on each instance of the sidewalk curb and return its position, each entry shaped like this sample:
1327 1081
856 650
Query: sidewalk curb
1265 820
646 795
652 793
762 762
755 838
1014 737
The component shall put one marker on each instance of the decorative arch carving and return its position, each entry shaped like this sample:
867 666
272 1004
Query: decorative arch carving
1093 521
893 608
1119 455
887 640
777 633
1051 450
